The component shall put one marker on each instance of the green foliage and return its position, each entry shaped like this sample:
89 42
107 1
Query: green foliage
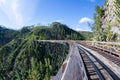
31 60
87 35
99 11
97 30
109 33
6 35
34 73
25 30
56 31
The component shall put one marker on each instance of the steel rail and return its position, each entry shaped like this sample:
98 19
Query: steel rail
101 77
112 74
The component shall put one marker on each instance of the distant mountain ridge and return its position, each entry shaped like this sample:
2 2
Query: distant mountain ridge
55 31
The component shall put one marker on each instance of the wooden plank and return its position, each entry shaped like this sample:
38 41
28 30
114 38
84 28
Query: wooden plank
73 67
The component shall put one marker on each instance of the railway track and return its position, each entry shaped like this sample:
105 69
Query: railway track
95 68
115 59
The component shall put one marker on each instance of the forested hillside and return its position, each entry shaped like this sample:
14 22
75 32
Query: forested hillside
28 59
22 57
55 31
6 35
87 35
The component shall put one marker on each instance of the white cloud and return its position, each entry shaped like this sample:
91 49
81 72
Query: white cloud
2 2
11 9
85 19
78 29
59 20
81 29
19 12
16 13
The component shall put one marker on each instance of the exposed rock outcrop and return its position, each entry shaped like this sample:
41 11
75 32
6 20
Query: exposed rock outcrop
109 17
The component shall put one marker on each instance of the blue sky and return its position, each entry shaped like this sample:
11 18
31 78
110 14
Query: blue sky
75 13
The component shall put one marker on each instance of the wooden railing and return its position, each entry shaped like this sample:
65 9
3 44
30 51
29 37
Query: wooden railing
111 47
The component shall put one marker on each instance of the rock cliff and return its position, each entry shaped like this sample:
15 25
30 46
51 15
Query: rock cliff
109 17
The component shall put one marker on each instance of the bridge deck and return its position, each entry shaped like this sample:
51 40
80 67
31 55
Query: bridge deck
89 61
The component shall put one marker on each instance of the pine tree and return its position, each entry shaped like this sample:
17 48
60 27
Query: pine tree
34 72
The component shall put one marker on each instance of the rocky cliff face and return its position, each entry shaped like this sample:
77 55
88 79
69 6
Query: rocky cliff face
109 17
